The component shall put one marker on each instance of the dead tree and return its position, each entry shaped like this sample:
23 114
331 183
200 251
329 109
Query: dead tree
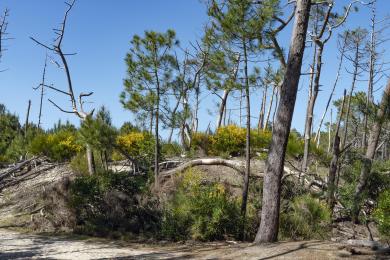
355 42
335 158
342 50
77 109
3 31
376 67
268 230
374 134
320 39
41 86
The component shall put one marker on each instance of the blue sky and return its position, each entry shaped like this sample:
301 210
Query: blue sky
100 32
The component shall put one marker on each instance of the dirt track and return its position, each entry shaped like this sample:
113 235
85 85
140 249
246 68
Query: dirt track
14 245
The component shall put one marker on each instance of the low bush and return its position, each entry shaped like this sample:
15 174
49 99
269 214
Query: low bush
382 214
59 146
305 218
201 210
109 203
169 150
202 142
139 145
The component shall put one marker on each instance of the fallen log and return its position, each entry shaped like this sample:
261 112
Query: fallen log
236 165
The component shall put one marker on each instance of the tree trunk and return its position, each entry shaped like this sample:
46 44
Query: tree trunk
90 160
310 107
260 124
276 106
222 107
268 230
355 72
27 118
269 109
334 87
335 159
375 132
156 136
372 50
247 145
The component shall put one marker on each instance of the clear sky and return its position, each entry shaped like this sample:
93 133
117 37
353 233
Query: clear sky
100 32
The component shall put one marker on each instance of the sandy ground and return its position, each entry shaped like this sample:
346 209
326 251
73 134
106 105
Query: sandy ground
14 245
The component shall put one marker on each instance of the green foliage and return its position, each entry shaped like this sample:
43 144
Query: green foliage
305 218
377 182
230 140
113 202
199 210
149 72
9 129
59 146
202 141
169 150
98 132
139 145
382 214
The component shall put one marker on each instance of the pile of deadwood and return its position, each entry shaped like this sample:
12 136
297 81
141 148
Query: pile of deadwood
14 174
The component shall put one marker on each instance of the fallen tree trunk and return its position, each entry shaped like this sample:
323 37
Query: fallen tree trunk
206 161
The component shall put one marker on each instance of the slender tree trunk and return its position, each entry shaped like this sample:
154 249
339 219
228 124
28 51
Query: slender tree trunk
247 145
27 119
156 136
334 86
260 124
268 230
330 131
42 92
173 122
355 72
335 159
310 110
373 139
222 107
90 160
269 109
276 106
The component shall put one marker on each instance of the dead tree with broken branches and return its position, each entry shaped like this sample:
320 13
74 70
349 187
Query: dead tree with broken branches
77 105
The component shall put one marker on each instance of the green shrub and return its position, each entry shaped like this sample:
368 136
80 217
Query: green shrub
108 202
295 145
382 214
200 210
59 146
169 150
229 140
139 145
201 142
306 218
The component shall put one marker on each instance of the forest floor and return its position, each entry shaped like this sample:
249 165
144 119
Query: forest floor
16 245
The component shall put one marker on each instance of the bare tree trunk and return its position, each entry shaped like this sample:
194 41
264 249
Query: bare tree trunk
269 109
330 131
27 118
335 159
174 120
156 136
90 160
247 145
268 230
371 75
355 72
260 124
276 107
312 101
375 132
222 107
334 87
42 92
